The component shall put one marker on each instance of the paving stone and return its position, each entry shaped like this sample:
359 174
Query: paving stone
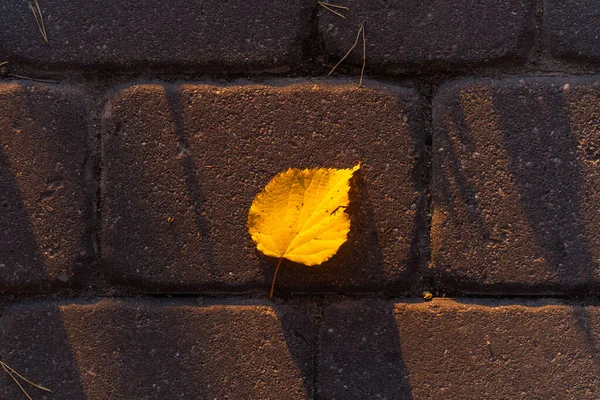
182 165
45 196
125 35
515 185
431 34
570 29
130 349
459 349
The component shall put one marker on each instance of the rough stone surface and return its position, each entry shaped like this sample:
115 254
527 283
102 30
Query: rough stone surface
150 349
183 163
236 35
432 34
45 196
515 185
570 29
459 349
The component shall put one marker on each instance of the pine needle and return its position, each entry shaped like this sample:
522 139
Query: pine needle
362 71
17 382
334 5
331 10
32 79
6 74
25 379
360 30
10 373
39 19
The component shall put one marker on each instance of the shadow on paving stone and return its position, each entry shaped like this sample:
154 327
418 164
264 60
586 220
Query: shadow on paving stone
360 257
179 350
361 353
46 203
360 261
585 325
540 222
465 191
164 212
516 187
38 347
236 354
171 349
183 171
193 185
33 253
551 190
300 336
21 262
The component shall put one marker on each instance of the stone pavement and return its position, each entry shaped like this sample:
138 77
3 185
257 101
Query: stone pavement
133 143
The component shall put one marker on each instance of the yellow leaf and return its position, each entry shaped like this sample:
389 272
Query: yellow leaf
300 215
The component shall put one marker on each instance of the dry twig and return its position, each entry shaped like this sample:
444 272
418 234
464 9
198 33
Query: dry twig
39 19
11 372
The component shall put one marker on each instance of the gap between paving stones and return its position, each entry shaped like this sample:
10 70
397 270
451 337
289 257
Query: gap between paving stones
100 91
313 55
538 65
101 79
350 319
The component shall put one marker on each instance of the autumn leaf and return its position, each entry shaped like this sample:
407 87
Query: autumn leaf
300 215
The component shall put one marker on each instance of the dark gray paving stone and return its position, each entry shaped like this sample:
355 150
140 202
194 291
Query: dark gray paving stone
199 154
516 185
432 34
157 349
236 35
459 349
570 29
45 194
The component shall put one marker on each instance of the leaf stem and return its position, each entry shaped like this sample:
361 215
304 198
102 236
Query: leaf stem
275 277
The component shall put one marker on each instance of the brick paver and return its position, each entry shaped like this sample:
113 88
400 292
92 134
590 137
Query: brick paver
432 34
236 35
183 163
459 349
570 29
515 185
129 349
45 193
125 188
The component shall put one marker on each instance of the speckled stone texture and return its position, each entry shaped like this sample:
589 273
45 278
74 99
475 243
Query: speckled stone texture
459 349
515 185
46 188
111 349
570 32
413 36
183 163
123 35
